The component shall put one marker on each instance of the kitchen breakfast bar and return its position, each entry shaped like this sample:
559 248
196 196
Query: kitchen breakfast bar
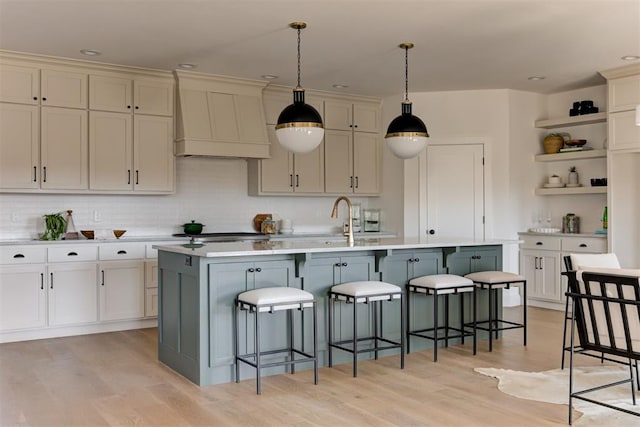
198 283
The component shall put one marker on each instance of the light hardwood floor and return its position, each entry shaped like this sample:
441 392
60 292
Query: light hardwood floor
116 379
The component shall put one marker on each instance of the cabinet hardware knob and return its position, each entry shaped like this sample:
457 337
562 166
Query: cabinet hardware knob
344 264
122 252
72 254
337 264
258 269
251 270
35 98
129 106
410 260
539 243
355 126
51 282
583 245
416 259
44 99
137 108
350 126
432 231
18 256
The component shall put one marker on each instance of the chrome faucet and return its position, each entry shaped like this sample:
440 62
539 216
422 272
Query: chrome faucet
334 214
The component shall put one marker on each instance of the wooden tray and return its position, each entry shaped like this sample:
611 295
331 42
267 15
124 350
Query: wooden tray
257 221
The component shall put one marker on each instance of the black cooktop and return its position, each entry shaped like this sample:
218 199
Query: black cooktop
225 234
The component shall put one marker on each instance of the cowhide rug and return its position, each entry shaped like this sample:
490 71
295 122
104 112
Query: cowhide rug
553 387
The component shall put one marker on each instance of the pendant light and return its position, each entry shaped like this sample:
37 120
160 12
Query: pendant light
407 135
299 127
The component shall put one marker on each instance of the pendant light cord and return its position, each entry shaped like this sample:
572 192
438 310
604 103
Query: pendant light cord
299 57
406 73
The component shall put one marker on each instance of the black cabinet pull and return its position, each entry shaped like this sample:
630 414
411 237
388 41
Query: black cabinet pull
51 283
535 263
72 254
539 243
102 271
35 172
129 107
297 180
290 180
137 108
355 126
41 280
410 260
137 177
258 269
122 252
356 177
18 256
337 264
128 176
432 231
541 263
417 260
44 174
350 126
583 245
350 182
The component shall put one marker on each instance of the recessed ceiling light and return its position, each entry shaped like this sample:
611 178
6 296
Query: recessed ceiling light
187 66
340 86
536 78
630 57
90 52
269 76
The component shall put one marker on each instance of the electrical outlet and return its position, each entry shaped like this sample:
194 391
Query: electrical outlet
97 217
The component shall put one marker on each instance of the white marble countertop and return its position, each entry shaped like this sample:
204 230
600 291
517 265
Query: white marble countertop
532 233
295 246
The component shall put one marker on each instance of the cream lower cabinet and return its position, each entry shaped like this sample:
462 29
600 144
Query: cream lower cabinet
121 292
541 263
151 288
72 293
23 297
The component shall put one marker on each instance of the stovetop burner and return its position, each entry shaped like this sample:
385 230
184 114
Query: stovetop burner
224 237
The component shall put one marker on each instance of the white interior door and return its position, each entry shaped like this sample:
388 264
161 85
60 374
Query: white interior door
455 190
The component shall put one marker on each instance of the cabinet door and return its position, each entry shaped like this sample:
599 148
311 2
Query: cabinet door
151 302
338 161
250 119
153 97
366 118
425 263
487 260
121 290
111 151
309 171
624 93
19 146
529 269
623 133
276 173
356 268
469 260
223 117
153 153
338 115
110 94
398 268
366 163
19 84
64 149
22 297
64 89
73 294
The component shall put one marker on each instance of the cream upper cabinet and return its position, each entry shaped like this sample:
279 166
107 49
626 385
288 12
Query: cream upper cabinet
111 151
20 84
623 132
338 158
123 93
624 93
366 163
64 89
64 149
153 159
19 146
362 117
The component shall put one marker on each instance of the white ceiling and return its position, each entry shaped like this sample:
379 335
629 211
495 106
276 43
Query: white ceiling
460 44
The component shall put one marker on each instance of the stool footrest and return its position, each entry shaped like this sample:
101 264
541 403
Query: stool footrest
339 345
423 333
245 358
512 325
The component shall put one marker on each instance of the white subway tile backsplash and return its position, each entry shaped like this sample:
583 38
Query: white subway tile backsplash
210 191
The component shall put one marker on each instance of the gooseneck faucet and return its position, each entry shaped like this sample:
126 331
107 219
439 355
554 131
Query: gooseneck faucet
334 214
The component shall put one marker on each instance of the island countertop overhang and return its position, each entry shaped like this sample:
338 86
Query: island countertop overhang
257 248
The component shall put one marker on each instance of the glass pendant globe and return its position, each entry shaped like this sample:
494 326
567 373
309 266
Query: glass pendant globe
406 147
300 139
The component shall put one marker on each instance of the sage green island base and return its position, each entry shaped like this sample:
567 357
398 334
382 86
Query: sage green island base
197 287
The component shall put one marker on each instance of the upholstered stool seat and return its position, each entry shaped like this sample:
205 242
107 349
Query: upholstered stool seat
493 281
270 300
367 292
436 285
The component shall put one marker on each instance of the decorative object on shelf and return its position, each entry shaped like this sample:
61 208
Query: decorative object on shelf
554 182
583 107
54 226
575 142
573 177
407 134
545 230
70 232
570 149
89 234
605 219
299 127
598 182
553 142
119 233
371 219
571 223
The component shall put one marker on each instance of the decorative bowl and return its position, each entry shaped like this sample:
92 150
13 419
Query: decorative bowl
575 142
119 233
89 234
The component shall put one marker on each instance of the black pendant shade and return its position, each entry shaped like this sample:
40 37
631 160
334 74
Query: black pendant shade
406 124
299 114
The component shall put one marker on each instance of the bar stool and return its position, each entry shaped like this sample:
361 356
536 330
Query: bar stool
493 281
270 300
437 285
367 292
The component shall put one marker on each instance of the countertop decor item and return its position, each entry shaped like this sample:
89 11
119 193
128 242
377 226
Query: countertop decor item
299 127
257 221
407 134
119 233
70 232
54 226
192 227
553 142
89 234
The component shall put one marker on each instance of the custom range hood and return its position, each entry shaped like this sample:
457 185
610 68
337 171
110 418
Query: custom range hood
220 116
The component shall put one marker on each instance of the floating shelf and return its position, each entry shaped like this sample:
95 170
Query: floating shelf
572 155
585 119
563 191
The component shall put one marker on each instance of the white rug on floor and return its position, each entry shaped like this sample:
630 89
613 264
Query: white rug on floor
553 387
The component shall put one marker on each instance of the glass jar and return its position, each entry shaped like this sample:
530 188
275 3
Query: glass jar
268 226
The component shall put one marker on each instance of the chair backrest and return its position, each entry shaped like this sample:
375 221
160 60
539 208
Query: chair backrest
582 261
607 311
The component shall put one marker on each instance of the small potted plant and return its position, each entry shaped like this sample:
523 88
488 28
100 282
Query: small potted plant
54 226
573 176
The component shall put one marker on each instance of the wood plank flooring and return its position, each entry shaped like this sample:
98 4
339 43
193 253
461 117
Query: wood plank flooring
116 379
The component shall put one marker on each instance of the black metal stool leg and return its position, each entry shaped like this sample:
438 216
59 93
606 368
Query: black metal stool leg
402 329
257 349
461 296
490 320
495 314
376 306
355 338
236 310
435 327
475 317
330 348
446 320
408 326
524 320
315 343
291 339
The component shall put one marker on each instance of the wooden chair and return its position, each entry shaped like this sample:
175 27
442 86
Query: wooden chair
606 315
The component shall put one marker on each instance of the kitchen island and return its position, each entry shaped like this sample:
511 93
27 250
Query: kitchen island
199 282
